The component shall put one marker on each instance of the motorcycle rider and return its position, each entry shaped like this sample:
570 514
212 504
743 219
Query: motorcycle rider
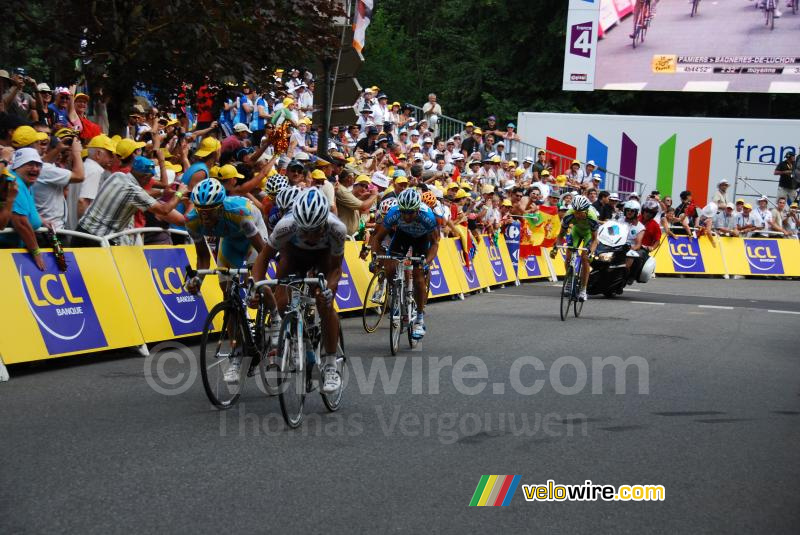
650 237
630 211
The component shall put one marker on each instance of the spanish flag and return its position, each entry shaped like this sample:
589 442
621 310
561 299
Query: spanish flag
538 229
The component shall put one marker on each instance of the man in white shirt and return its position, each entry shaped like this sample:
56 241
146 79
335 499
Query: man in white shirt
748 221
721 195
96 167
768 224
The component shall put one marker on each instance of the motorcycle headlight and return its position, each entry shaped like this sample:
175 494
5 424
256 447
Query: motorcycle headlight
605 257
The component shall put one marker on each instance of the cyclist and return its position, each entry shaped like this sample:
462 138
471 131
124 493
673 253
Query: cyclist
283 205
582 222
642 11
310 237
274 185
231 219
415 227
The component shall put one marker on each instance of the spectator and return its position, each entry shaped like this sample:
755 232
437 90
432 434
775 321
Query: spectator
576 177
44 96
721 196
61 108
725 222
88 129
792 221
779 214
541 165
8 186
48 190
237 140
511 138
785 172
686 212
747 221
25 219
491 127
321 182
120 196
470 144
432 111
353 199
205 157
96 167
369 143
16 101
765 216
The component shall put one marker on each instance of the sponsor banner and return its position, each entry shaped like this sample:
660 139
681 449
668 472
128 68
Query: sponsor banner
684 255
153 277
533 267
762 256
355 279
438 286
581 44
54 313
500 268
559 262
473 280
511 234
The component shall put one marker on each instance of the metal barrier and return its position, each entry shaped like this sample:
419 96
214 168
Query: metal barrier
104 241
448 127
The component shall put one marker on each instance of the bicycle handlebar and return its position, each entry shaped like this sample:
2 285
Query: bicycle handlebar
418 259
571 248
291 280
219 270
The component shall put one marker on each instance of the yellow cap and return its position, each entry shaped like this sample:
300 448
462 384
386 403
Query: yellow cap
85 153
469 123
506 202
402 157
488 188
80 95
452 185
102 141
172 122
126 147
227 172
545 172
496 159
287 102
466 185
307 121
395 104
173 166
519 172
374 88
214 171
363 179
512 164
575 162
477 131
747 206
25 135
460 194
316 174
207 146
401 180
739 201
561 180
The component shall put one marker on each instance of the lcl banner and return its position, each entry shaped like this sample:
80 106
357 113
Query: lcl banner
691 256
53 313
762 256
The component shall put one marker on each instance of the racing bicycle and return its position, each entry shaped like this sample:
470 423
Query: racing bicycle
238 337
769 13
402 306
375 300
572 284
297 365
643 18
695 5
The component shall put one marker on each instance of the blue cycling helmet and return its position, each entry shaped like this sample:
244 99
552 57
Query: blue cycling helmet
208 192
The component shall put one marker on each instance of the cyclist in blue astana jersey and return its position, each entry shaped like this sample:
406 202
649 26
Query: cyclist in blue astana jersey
415 227
582 222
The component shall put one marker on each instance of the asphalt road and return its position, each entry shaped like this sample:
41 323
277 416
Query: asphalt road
710 409
721 28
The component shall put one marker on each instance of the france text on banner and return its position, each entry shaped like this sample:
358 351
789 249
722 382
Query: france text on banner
472 278
153 277
762 256
498 260
81 310
690 256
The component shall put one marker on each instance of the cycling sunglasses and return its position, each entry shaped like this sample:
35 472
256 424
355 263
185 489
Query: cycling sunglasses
408 212
207 209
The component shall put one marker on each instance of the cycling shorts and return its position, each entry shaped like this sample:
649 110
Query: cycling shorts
401 242
233 253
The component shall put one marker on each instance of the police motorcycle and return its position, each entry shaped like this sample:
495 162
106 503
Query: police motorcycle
609 275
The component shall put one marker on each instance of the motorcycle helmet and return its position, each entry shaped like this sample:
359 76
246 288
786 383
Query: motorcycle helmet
632 205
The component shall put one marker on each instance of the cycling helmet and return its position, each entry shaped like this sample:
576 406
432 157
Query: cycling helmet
409 200
429 198
388 204
632 205
208 192
276 183
651 206
286 197
311 209
581 203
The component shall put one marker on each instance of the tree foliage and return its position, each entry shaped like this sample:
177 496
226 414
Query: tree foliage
161 44
506 56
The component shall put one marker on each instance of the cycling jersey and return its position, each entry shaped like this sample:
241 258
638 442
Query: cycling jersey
424 223
275 215
582 229
240 220
286 232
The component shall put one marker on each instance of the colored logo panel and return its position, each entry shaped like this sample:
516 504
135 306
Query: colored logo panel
532 267
511 234
60 303
686 255
764 257
346 294
186 312
438 282
581 39
473 283
495 261
495 491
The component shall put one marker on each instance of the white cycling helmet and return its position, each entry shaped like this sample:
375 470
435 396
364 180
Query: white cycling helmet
632 205
580 203
275 184
286 198
311 209
409 200
208 192
388 204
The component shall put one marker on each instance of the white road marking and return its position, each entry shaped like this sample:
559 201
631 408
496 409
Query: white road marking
632 290
635 86
784 312
715 307
647 302
706 87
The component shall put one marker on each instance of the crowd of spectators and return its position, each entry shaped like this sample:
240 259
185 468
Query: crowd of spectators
64 169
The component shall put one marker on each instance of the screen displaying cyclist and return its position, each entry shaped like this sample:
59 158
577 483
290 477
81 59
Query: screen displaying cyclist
415 228
582 222
310 239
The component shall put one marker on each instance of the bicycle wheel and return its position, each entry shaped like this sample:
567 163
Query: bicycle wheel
771 18
374 302
334 401
394 319
411 312
794 6
291 380
578 307
694 7
566 293
217 348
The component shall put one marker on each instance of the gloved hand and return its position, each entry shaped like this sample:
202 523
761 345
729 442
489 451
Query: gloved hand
253 297
553 252
373 266
193 285
327 294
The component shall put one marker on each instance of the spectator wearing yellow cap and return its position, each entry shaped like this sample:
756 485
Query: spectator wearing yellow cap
205 157
353 198
321 181
286 111
97 166
88 129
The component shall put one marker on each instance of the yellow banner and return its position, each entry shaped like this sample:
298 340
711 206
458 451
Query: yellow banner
53 313
683 255
762 256
534 267
494 261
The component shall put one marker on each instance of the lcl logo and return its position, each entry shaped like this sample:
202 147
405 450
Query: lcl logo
52 291
682 249
761 252
169 281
